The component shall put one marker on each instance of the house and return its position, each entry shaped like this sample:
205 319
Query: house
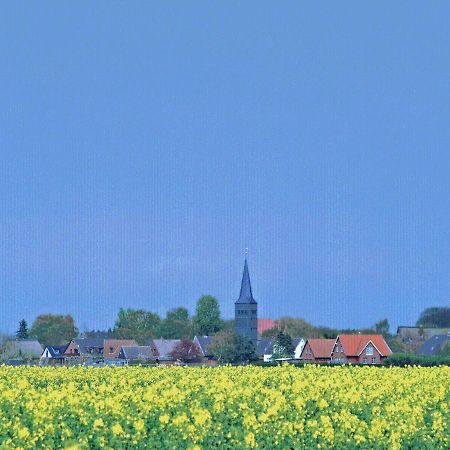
410 334
360 349
264 325
264 348
317 350
23 349
136 352
162 348
53 354
85 347
111 347
434 345
203 343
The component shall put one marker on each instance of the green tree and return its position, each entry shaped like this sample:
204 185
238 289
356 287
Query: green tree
22 332
177 324
207 316
53 329
227 347
382 327
282 347
437 316
137 324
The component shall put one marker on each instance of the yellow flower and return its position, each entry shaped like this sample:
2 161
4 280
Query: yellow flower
117 428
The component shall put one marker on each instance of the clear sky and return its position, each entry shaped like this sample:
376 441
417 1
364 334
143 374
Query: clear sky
143 147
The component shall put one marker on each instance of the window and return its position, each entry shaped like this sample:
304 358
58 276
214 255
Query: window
374 360
369 350
111 349
364 360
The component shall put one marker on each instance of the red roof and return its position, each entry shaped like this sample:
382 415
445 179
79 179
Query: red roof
354 344
321 348
265 324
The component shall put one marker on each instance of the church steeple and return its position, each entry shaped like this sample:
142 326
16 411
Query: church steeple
246 309
246 295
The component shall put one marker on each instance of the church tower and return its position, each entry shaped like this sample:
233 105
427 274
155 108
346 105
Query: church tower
246 309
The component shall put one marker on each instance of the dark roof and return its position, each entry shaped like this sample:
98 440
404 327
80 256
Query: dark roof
264 346
246 295
165 346
136 352
56 351
30 347
433 345
84 344
204 342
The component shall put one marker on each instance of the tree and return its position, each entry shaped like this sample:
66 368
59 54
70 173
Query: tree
177 324
435 317
227 347
382 327
298 327
207 316
282 347
53 329
137 324
22 332
186 351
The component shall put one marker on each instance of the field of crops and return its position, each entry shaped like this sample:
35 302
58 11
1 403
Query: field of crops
224 407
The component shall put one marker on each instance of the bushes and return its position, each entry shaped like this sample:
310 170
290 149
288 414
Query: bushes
401 360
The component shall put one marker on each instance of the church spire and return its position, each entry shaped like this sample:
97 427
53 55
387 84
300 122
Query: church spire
246 295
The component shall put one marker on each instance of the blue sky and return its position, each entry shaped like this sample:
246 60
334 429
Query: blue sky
144 146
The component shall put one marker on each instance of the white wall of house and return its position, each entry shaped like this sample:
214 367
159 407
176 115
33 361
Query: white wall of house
299 348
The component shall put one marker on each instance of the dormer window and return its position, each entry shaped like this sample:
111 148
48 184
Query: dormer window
369 350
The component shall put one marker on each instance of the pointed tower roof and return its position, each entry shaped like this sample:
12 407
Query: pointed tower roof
246 295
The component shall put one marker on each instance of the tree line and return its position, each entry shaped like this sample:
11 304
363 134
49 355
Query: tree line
137 324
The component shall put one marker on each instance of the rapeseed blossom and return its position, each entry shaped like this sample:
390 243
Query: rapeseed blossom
224 407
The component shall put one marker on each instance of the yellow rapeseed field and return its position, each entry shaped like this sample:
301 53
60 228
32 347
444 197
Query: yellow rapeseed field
224 407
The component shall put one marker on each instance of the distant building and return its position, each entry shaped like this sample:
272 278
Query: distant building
246 309
411 334
85 347
204 343
53 354
317 350
264 325
162 348
23 349
434 345
360 349
136 353
111 347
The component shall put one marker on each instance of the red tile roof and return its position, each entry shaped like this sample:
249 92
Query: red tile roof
322 348
265 324
354 344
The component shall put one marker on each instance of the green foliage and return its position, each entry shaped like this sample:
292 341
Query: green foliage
53 329
402 360
282 347
22 332
177 324
10 350
298 327
227 347
137 324
434 317
207 316
382 327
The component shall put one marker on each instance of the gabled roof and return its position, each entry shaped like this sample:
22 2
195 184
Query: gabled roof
30 347
136 352
433 345
165 346
264 346
56 351
116 344
204 342
89 342
296 341
321 348
265 324
354 344
246 295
